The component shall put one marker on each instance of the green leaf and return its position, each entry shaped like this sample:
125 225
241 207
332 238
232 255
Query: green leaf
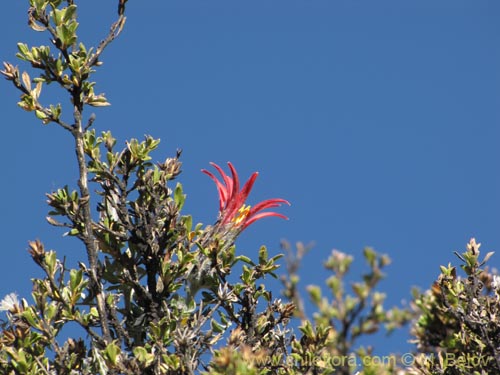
30 317
75 277
143 355
361 290
111 353
51 311
50 262
19 362
216 327
69 13
39 5
247 275
335 284
66 32
370 256
262 255
73 232
57 16
314 293
54 3
41 115
188 222
244 259
56 110
97 101
24 53
179 197
275 258
307 329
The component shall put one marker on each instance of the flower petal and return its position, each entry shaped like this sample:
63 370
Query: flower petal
245 192
223 195
236 180
254 218
268 203
227 180
237 199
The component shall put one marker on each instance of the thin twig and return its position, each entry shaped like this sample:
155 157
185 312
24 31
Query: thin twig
115 30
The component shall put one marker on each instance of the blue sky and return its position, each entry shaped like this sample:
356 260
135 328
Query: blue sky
378 120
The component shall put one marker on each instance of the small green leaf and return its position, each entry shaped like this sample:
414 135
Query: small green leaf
41 115
73 232
216 327
179 197
247 275
24 53
20 363
30 317
188 222
75 277
97 100
56 110
143 355
51 311
93 312
111 353
370 256
361 290
307 329
314 293
244 259
50 262
262 255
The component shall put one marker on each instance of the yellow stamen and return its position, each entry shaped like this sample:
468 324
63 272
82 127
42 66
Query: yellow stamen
242 215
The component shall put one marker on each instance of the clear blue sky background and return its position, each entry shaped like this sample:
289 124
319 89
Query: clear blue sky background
378 120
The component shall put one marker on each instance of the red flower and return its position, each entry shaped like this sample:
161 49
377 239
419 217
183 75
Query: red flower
232 208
